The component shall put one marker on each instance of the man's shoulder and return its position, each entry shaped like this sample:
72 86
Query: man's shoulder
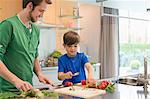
13 18
9 21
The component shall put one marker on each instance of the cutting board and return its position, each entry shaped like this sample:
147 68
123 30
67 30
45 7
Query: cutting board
80 91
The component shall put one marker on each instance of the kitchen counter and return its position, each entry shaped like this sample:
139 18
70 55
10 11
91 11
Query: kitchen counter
122 92
125 92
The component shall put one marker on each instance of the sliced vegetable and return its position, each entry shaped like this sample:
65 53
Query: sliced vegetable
8 95
50 94
110 88
33 93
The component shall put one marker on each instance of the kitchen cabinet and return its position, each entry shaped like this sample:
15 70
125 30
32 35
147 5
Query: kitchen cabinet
9 8
69 15
96 71
70 22
0 14
69 18
49 16
51 74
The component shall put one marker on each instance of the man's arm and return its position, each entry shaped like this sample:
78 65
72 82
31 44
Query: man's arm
37 67
6 37
38 72
7 75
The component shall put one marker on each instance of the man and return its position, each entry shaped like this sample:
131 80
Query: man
19 39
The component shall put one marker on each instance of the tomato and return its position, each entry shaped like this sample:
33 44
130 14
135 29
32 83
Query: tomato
83 82
105 82
102 86
67 84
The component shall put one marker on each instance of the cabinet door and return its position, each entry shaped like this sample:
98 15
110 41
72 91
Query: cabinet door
96 71
9 8
50 14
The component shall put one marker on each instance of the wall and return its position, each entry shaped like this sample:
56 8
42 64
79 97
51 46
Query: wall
9 8
90 34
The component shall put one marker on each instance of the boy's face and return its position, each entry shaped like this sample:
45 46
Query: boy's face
71 49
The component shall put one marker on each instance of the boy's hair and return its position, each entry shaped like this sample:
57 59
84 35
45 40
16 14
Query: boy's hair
71 38
35 2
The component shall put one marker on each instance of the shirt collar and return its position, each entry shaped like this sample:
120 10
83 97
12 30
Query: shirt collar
23 23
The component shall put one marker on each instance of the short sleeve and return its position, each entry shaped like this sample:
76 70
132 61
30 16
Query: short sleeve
84 59
38 36
6 30
37 52
60 65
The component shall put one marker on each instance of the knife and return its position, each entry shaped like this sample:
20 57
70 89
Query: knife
76 74
59 86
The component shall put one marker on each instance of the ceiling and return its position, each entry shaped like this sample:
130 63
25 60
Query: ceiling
134 5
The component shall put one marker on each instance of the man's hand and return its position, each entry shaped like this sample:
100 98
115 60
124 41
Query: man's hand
45 80
23 85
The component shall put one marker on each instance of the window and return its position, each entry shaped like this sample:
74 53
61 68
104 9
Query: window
134 35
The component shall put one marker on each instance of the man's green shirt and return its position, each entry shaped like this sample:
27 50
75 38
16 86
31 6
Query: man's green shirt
18 50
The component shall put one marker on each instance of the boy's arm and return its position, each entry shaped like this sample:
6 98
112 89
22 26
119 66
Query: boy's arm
89 70
61 74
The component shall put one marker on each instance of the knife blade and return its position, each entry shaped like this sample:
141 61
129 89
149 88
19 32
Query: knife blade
59 86
76 74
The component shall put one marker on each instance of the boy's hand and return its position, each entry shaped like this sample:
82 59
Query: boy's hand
91 83
68 75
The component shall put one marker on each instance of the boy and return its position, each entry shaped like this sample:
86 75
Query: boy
73 62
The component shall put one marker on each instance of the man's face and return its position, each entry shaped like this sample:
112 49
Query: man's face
37 13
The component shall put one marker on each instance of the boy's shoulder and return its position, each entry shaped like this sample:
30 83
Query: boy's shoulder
62 56
81 54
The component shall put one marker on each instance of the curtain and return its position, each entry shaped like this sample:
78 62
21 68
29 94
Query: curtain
109 41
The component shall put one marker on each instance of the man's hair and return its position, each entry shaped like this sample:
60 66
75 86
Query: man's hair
71 38
35 2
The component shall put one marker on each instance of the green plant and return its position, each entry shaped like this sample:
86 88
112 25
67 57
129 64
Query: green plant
135 64
52 59
56 54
